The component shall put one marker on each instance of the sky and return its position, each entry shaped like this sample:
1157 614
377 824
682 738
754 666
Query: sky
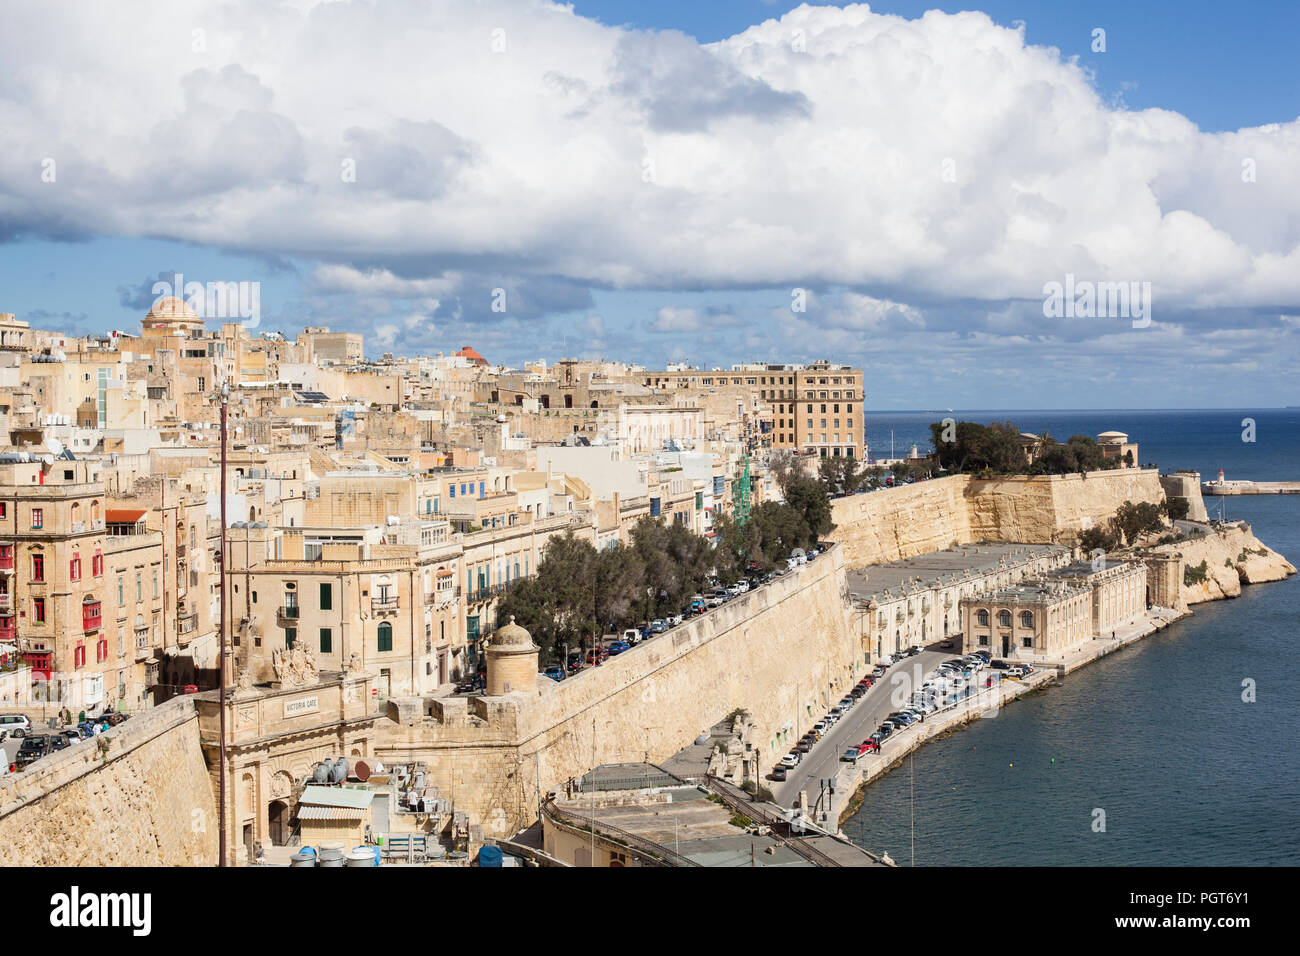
914 189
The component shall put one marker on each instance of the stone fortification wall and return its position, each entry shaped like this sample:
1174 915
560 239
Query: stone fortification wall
139 795
895 523
784 646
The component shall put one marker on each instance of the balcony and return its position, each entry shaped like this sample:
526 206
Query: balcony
143 646
288 613
187 625
91 616
34 646
6 601
443 597
481 595
383 607
7 558
8 634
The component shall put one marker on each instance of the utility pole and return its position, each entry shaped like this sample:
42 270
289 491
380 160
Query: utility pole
221 639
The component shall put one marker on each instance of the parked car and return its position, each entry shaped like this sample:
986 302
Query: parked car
618 647
804 746
574 662
854 753
698 604
15 725
914 650
555 672
33 748
791 759
999 665
674 619
822 726
871 744
658 626
778 772
946 645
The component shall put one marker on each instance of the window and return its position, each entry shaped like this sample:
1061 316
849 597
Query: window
4 509
1027 642
326 598
984 640
1026 619
38 610
385 636
1004 618
139 586
290 635
38 568
38 518
97 564
121 590
79 656
982 617
326 640
202 384
74 568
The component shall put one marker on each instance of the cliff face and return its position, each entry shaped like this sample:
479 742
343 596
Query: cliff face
1232 556
901 522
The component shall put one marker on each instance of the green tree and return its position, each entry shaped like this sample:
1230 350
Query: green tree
1175 509
807 497
840 476
1133 520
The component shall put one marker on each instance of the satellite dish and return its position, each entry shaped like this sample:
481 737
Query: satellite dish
55 446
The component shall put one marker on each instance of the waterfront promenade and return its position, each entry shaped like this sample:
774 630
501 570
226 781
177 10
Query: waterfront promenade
828 805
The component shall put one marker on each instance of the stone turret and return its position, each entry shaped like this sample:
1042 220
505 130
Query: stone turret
511 661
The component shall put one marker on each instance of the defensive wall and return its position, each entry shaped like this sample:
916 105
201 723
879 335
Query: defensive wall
1216 564
894 523
771 651
136 795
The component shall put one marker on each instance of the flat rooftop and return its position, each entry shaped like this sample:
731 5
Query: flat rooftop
948 566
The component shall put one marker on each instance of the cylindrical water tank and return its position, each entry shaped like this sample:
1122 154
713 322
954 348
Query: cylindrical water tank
303 859
342 765
322 772
338 772
372 853
489 856
331 854
419 780
360 857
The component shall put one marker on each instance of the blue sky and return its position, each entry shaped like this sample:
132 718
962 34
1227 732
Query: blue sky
658 182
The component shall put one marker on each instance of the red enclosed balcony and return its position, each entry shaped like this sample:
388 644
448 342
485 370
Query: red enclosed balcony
6 557
91 615
7 630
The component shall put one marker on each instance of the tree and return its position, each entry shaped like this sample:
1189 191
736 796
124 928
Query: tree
994 448
807 497
1176 509
1133 520
840 476
783 466
1098 539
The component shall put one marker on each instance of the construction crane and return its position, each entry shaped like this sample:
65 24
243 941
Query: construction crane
740 492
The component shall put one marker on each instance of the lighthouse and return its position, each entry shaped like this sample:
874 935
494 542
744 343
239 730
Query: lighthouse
1220 476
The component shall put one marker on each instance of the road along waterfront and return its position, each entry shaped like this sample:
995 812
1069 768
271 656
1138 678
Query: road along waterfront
828 805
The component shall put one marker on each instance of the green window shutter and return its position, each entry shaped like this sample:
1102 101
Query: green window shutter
326 640
385 636
326 597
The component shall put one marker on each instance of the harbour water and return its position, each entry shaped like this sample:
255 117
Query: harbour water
1156 737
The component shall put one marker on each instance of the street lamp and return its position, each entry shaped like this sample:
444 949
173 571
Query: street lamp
221 639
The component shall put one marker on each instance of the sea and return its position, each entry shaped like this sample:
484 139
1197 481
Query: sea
1179 750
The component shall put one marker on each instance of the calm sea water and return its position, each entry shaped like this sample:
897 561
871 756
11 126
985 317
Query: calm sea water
1157 736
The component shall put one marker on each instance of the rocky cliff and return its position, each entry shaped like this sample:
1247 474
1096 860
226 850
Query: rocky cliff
1217 564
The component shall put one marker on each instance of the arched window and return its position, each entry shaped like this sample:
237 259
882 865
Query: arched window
385 636
1004 618
1026 619
982 616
